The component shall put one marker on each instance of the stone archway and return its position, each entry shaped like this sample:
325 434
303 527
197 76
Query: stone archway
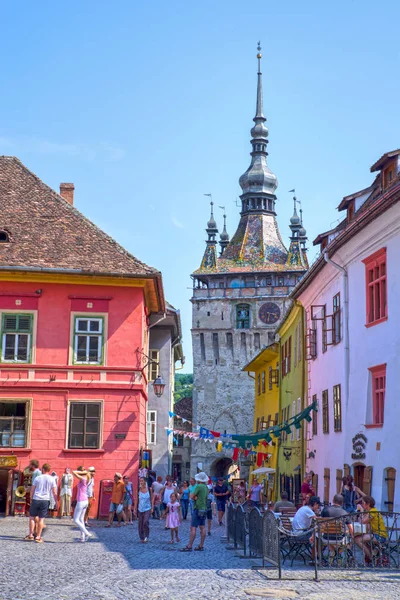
221 467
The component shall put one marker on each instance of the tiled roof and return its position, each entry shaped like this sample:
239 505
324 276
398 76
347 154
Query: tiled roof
184 408
47 233
381 161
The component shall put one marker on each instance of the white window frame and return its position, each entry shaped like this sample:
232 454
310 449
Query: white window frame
88 334
29 334
151 427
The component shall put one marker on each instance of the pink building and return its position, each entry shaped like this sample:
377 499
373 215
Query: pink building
74 334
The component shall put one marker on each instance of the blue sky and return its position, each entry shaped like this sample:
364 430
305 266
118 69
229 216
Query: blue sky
147 106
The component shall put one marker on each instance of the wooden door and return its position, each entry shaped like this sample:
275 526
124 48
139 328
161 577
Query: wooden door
327 483
390 482
367 481
339 477
359 477
10 480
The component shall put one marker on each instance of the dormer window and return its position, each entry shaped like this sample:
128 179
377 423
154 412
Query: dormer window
4 236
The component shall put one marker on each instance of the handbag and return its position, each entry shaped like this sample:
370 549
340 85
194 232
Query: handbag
120 508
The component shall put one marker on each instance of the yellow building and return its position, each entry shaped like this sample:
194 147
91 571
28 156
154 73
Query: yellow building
264 368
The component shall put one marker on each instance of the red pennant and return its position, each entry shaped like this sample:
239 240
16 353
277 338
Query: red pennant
235 454
264 443
246 453
260 457
215 433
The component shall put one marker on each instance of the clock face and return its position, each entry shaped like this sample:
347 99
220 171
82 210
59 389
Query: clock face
269 313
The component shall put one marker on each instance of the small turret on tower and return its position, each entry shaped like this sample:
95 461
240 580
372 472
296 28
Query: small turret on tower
224 237
297 251
210 254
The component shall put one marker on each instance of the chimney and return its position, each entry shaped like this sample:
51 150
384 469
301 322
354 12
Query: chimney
67 192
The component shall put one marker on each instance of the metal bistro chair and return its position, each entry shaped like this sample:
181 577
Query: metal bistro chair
293 546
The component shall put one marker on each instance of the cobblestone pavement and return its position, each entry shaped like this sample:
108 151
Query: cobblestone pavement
115 566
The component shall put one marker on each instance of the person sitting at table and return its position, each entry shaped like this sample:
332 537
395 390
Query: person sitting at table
283 502
303 521
374 521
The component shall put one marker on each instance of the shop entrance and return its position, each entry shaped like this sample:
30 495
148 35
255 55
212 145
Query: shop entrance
359 476
3 490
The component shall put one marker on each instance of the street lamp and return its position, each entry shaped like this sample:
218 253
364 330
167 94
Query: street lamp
159 386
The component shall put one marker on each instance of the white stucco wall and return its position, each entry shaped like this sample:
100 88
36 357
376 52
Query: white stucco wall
369 346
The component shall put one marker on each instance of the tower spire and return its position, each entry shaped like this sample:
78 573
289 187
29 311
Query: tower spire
258 183
224 237
210 254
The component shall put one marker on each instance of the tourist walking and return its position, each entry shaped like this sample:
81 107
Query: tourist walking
185 499
128 500
255 493
174 517
241 492
221 493
143 509
157 490
90 494
83 477
351 494
210 506
41 492
166 492
192 485
199 496
117 499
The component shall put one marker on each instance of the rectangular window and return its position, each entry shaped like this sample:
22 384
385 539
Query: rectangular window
151 426
336 319
337 408
286 355
202 348
215 347
263 382
16 338
84 425
378 375
13 424
154 369
325 412
256 341
258 384
178 441
314 417
229 342
376 287
88 340
293 412
243 316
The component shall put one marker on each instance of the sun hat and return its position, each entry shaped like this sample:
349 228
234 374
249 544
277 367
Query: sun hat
118 475
201 477
91 469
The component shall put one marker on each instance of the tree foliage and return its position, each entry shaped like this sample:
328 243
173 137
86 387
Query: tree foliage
183 386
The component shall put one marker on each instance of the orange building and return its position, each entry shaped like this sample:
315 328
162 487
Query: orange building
74 316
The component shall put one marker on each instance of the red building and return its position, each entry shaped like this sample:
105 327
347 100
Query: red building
74 309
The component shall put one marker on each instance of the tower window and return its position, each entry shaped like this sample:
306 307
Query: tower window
4 237
216 347
202 348
242 316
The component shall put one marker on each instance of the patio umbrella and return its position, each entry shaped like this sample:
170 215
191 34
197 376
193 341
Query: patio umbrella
263 470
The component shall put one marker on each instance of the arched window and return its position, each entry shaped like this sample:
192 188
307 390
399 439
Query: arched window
4 237
243 316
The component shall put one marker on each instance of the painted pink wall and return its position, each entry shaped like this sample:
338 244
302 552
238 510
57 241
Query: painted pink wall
124 408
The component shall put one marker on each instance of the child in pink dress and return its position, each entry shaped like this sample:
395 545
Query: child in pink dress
173 513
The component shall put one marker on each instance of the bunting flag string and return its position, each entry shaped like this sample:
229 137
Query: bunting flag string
249 440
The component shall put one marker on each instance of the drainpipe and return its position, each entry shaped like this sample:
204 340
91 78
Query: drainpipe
345 325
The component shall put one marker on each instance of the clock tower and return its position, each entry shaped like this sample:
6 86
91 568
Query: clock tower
239 295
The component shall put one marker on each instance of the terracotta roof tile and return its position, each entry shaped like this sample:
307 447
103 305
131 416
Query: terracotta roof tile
47 233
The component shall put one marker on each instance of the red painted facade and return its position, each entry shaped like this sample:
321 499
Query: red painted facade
51 380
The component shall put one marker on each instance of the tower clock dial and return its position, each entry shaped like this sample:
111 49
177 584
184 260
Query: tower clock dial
269 313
